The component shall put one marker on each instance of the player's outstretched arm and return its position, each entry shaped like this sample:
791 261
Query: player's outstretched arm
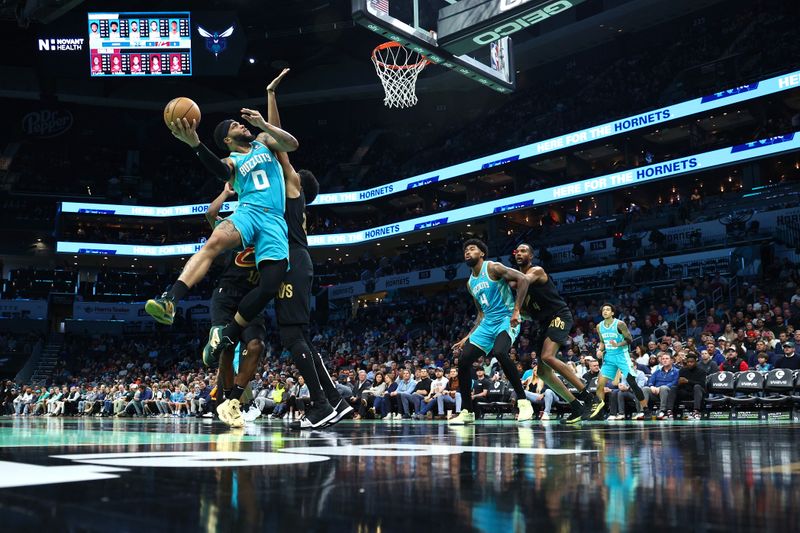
291 177
275 138
498 271
212 215
185 132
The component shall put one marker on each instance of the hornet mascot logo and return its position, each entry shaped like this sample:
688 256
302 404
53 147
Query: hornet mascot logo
216 42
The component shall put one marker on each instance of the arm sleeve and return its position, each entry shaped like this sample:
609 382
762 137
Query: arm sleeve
212 163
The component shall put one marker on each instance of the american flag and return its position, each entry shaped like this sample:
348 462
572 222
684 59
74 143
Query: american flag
381 5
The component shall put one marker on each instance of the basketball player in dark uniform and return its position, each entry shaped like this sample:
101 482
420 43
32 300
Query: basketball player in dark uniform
544 305
293 304
239 277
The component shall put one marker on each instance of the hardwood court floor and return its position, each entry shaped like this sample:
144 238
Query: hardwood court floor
196 475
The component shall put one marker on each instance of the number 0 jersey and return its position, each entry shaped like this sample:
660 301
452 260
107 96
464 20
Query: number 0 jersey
259 178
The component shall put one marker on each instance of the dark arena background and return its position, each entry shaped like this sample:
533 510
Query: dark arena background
615 352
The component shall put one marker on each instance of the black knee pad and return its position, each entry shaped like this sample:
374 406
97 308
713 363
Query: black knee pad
637 391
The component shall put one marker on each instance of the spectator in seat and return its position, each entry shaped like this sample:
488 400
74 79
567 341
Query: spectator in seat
438 387
537 392
383 403
41 403
451 396
421 391
405 388
134 403
369 397
162 401
55 404
762 364
733 363
202 400
594 369
22 401
120 397
480 391
178 401
761 347
789 361
263 400
661 385
707 363
146 397
359 388
86 403
692 385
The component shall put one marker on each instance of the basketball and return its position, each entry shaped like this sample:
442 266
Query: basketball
181 107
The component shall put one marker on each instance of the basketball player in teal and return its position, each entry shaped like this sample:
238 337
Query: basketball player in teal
496 327
257 178
259 221
615 339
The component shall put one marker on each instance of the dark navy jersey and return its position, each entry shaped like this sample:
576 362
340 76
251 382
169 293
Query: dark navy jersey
240 271
295 216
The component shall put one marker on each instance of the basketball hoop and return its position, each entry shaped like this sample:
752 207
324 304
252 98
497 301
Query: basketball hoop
398 68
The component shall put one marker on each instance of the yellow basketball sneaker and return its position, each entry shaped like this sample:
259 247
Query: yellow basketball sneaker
463 418
525 410
161 309
230 413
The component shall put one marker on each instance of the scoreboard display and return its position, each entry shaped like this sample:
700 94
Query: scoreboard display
140 44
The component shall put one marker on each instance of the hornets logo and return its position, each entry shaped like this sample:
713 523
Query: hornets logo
216 42
246 258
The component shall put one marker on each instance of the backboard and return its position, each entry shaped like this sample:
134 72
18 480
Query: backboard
415 23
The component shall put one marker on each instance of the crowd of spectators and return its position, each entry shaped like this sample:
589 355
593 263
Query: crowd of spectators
393 359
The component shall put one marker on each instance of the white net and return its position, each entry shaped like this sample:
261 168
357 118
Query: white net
398 68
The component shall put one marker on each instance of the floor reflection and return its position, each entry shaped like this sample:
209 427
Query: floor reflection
653 476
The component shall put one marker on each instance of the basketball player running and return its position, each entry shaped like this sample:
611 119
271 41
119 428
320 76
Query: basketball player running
496 327
544 305
238 278
615 341
258 180
293 306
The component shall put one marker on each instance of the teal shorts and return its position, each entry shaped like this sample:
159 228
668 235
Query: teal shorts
264 230
487 333
612 363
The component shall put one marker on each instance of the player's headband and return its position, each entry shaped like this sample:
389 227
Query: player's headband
220 132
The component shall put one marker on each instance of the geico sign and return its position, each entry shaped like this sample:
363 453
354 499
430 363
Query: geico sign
524 21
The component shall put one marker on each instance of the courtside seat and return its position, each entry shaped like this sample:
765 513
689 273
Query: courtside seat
796 391
720 388
499 399
778 388
748 389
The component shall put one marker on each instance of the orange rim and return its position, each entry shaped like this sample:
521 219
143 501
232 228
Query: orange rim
395 44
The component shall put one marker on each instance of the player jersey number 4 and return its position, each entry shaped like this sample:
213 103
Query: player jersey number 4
259 178
493 296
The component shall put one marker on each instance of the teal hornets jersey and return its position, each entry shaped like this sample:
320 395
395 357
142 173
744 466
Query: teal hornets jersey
493 296
259 178
611 333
